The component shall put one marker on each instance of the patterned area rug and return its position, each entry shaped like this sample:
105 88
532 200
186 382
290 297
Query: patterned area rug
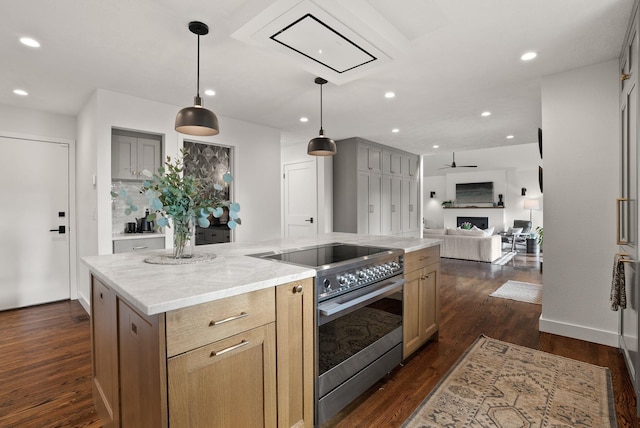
498 384
520 291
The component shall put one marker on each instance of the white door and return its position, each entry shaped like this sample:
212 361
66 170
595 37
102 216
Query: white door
34 222
300 199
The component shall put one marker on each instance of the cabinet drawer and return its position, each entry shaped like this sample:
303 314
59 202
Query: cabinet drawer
199 325
141 244
421 258
230 383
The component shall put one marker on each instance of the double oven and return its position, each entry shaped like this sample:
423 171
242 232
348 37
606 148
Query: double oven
358 318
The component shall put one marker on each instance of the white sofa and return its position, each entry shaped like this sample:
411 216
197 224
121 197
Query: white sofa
467 244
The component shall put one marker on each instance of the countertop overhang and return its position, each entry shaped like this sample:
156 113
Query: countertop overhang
154 289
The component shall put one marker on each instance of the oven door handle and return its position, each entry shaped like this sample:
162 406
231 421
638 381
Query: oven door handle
329 308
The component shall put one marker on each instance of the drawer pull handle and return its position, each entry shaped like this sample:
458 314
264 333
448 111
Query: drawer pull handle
140 248
297 289
424 258
229 349
237 317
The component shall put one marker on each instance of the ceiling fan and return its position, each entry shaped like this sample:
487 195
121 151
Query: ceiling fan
453 164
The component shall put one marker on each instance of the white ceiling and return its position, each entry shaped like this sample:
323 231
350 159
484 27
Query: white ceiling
450 61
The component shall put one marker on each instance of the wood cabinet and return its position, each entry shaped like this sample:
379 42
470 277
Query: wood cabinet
229 362
228 383
421 298
143 397
295 344
375 188
132 153
104 344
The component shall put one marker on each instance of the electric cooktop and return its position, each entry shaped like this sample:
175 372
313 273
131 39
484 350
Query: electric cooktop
322 255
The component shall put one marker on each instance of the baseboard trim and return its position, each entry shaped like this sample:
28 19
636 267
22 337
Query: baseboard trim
608 338
85 304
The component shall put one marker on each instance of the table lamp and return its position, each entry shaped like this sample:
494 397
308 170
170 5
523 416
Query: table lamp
531 204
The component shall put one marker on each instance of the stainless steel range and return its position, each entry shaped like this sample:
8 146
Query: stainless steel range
358 319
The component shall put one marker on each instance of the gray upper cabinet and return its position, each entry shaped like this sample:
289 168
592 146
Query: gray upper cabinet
391 162
131 154
372 193
369 158
410 165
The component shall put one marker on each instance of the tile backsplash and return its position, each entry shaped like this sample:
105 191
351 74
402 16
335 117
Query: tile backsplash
118 218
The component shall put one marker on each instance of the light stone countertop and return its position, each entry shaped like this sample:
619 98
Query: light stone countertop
154 289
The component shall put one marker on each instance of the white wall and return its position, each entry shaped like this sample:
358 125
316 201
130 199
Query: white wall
256 167
44 126
580 146
297 152
515 167
37 123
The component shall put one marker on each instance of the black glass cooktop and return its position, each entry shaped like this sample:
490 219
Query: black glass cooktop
325 254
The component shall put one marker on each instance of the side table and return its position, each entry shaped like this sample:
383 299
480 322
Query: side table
532 246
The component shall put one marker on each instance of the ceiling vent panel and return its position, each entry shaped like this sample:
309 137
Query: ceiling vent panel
339 50
316 40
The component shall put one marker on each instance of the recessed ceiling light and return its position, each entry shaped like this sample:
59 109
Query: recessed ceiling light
20 92
485 113
395 130
436 146
304 119
210 92
389 94
28 41
509 137
528 56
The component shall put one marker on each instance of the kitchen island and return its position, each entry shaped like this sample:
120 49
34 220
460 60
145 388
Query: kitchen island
231 338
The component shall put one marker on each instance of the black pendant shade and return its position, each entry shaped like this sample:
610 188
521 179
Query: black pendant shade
197 120
321 145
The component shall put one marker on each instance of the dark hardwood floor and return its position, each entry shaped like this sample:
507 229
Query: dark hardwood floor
467 311
45 375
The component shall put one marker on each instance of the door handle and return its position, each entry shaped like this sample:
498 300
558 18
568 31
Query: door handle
60 229
310 220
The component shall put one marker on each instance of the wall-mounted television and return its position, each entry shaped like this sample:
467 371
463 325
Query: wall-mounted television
472 193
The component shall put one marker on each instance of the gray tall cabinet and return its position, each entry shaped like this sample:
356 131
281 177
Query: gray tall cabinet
376 189
628 222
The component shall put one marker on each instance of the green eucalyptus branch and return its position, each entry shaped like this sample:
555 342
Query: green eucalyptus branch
172 194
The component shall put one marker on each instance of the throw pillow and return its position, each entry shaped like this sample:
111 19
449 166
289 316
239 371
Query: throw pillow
463 232
514 230
485 232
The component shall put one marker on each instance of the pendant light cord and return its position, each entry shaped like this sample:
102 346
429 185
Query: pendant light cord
198 72
321 130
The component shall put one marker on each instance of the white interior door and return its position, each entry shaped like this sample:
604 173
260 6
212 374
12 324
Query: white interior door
300 199
34 253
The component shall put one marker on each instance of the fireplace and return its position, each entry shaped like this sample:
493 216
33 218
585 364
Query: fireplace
479 222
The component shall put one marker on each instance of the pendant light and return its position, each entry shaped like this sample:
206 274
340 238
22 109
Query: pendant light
197 120
321 145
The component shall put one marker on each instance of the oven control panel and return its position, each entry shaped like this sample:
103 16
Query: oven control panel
331 284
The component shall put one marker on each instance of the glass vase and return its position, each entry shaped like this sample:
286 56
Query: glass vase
183 237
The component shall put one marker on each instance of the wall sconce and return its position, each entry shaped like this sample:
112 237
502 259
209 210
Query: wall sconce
524 191
433 195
